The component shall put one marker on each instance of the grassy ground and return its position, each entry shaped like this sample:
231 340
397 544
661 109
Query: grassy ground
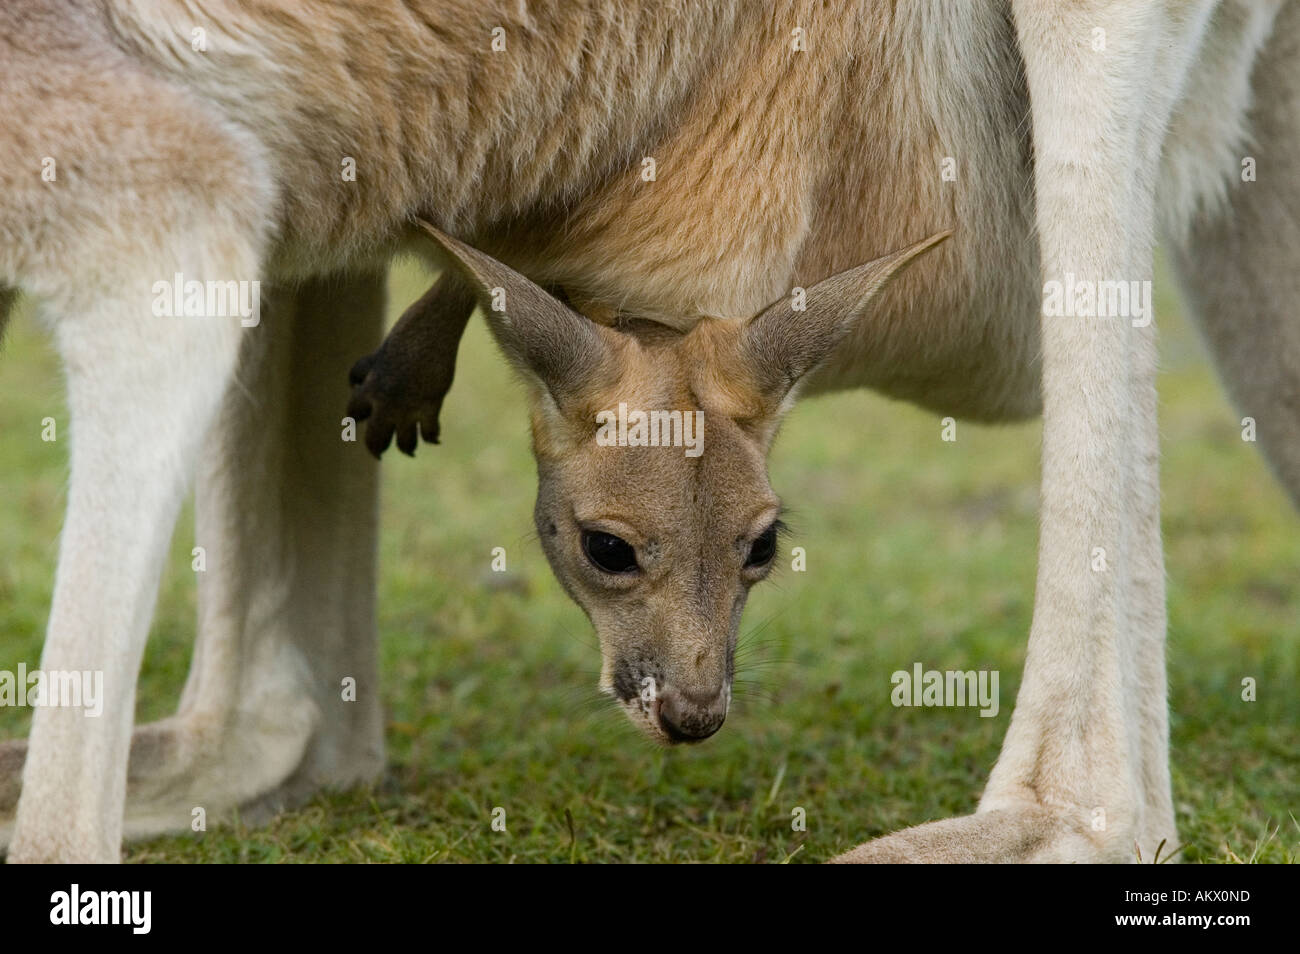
918 551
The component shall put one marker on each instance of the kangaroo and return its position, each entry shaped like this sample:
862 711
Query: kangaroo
678 170
659 547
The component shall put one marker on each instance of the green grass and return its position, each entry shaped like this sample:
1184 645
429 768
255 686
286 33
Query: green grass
918 551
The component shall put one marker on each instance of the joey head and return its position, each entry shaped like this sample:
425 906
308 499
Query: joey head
653 503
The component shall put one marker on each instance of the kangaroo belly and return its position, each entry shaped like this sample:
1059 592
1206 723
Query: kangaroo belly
940 140
672 161
903 121
695 160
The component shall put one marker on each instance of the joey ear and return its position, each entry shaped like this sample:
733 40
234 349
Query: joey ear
539 334
781 344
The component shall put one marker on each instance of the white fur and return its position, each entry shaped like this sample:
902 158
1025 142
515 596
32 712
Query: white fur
1145 135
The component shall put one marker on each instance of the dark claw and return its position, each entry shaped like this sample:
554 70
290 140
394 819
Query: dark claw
429 426
378 438
408 438
360 369
359 408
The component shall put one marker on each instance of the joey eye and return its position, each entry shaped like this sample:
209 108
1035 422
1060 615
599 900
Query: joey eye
763 549
608 553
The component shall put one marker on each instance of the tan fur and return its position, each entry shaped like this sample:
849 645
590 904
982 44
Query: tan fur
667 631
547 143
775 168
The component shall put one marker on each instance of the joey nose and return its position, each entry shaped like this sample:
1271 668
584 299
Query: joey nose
688 716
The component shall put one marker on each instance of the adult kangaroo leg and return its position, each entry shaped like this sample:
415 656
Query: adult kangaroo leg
1081 770
141 391
1241 266
129 203
286 516
286 519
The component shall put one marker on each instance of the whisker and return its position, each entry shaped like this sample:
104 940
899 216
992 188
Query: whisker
589 643
764 648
